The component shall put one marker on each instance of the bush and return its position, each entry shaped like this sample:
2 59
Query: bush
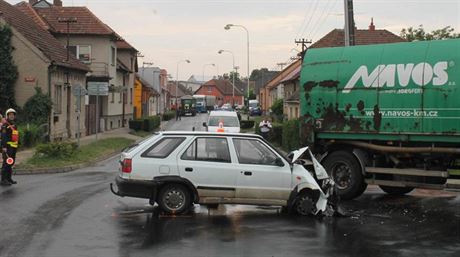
38 108
58 150
291 139
277 107
276 134
30 135
135 124
151 123
169 115
246 124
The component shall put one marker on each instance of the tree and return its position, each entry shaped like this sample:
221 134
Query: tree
261 77
8 71
411 34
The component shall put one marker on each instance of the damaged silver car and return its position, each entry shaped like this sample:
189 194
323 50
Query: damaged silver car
178 169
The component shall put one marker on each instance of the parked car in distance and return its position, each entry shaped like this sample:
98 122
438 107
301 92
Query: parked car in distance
177 169
255 111
223 121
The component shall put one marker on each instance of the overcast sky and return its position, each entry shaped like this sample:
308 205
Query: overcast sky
167 31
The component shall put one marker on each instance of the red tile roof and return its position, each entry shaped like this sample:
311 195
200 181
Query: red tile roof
336 38
29 11
122 44
283 74
223 86
39 37
87 23
294 75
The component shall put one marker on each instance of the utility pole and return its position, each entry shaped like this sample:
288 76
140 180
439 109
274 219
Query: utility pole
281 65
304 43
67 83
349 24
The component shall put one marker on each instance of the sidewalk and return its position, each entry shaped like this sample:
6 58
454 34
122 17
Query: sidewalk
23 156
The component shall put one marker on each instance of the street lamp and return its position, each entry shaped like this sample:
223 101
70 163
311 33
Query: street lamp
177 78
227 27
233 77
204 65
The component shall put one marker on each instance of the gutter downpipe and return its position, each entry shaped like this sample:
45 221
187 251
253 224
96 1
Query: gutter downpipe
50 68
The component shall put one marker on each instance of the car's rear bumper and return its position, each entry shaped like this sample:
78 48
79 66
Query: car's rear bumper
134 188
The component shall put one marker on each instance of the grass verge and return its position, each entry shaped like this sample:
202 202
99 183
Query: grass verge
85 154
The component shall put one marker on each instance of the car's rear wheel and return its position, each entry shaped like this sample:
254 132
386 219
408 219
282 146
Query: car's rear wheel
174 199
305 204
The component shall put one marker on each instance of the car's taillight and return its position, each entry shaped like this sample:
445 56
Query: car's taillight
126 166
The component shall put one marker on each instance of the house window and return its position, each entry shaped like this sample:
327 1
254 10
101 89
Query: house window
84 53
112 56
81 52
296 112
57 99
113 97
121 95
209 89
132 63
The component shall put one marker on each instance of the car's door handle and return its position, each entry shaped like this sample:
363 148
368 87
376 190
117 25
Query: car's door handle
189 169
247 173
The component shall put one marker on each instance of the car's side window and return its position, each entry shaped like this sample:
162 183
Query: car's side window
208 149
252 151
163 148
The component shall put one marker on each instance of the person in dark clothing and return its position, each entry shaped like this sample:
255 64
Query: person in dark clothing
10 140
178 112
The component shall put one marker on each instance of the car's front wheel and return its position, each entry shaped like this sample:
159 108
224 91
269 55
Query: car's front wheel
174 199
305 204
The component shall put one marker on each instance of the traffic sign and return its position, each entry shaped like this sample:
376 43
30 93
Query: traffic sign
98 88
79 90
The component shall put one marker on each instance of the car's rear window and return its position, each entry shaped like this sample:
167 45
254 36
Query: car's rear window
228 121
163 148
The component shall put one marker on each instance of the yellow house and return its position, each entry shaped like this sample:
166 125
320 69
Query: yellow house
144 98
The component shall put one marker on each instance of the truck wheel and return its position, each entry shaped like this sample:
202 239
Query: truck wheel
396 190
305 205
174 199
346 173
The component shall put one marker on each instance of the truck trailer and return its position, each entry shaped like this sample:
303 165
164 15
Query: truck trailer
387 115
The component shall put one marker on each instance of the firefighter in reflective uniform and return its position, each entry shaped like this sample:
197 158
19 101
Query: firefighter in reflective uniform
10 140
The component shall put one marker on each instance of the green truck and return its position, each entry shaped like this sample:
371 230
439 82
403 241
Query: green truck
188 105
384 114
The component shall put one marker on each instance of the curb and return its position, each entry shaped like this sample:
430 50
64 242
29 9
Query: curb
66 168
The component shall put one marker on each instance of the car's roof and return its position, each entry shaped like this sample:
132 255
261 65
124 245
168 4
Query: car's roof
204 133
223 113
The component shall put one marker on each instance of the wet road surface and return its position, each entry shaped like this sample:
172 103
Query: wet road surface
75 214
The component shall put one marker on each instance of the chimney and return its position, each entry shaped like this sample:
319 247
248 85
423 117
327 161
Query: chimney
32 2
57 3
372 27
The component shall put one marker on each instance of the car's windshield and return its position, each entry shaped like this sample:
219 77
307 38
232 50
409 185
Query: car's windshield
228 121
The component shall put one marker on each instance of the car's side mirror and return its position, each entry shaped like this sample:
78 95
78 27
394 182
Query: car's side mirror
204 124
279 162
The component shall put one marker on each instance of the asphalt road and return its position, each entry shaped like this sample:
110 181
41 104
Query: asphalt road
75 214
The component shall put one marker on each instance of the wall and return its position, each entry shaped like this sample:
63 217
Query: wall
32 68
128 58
59 119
